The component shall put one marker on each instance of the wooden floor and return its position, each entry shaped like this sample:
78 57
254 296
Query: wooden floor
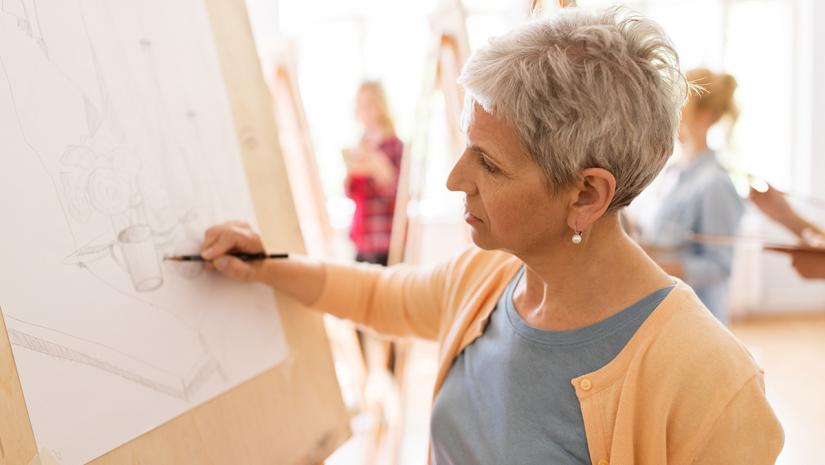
791 350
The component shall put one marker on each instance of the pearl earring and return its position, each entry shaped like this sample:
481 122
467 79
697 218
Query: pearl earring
577 237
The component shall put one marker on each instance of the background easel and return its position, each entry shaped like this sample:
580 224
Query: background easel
449 50
299 155
305 183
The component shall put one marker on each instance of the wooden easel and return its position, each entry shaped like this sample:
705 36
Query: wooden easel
299 155
538 5
449 50
305 182
290 414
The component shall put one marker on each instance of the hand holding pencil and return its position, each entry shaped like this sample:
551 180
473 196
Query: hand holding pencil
235 250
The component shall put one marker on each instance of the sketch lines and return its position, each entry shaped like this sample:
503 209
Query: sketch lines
74 349
26 141
28 20
98 175
119 148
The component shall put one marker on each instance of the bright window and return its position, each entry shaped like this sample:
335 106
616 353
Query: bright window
339 43
755 41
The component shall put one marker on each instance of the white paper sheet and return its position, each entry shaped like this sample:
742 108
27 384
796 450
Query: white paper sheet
116 148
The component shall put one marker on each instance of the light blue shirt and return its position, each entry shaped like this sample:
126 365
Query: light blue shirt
508 397
702 200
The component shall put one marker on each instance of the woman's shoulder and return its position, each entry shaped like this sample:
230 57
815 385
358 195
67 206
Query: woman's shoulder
473 278
689 342
697 375
714 175
712 188
472 270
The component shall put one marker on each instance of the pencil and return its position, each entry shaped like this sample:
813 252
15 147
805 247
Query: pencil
247 257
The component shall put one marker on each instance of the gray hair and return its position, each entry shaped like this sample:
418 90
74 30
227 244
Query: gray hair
584 90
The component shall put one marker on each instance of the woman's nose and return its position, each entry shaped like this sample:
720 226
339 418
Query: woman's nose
458 180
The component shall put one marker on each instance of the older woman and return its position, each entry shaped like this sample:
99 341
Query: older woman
561 342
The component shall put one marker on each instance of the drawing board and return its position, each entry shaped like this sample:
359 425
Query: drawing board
120 146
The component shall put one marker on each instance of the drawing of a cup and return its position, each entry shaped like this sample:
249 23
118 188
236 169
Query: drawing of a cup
139 257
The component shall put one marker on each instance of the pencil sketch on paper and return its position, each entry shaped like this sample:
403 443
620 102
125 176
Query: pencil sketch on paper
109 359
121 150
145 223
99 175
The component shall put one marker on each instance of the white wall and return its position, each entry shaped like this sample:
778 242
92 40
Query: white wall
817 173
766 282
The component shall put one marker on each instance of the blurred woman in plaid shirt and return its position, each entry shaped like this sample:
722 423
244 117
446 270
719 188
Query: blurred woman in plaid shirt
372 175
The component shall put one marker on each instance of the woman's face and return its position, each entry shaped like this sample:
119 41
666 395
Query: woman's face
508 204
367 108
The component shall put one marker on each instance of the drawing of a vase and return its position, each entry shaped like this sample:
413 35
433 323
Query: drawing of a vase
139 257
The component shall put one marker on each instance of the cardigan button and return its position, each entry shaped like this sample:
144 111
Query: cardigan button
604 462
585 384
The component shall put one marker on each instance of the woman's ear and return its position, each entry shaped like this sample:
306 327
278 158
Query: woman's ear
594 191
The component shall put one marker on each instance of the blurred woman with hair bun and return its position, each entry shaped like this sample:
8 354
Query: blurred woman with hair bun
701 199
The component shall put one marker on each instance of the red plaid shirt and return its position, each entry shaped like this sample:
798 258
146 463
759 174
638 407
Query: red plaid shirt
374 206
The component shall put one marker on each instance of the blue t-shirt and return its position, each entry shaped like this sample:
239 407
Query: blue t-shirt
508 397
700 200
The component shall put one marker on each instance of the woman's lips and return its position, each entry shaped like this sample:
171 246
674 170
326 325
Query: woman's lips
470 218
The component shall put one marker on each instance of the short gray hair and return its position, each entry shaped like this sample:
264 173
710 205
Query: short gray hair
584 90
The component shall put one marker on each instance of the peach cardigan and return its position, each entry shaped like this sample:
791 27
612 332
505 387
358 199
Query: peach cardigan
683 391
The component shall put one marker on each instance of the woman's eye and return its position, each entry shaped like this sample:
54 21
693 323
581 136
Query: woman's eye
487 166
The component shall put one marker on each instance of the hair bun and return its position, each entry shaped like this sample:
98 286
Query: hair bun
713 92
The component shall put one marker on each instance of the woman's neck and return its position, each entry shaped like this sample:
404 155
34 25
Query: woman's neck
583 284
377 133
695 146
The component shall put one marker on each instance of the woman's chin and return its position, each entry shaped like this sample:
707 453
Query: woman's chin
481 240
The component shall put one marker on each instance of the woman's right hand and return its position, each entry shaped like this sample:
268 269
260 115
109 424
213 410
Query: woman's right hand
299 277
355 162
772 203
809 264
232 236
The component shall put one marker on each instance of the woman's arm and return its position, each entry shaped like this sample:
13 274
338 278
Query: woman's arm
383 171
400 300
776 207
380 163
375 164
747 432
299 277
